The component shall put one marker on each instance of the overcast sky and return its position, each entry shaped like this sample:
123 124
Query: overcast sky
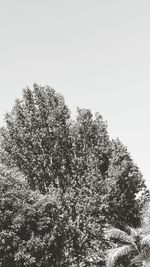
95 52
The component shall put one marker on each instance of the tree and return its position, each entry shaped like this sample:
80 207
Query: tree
85 197
91 144
12 194
127 190
132 248
36 140
31 226
95 178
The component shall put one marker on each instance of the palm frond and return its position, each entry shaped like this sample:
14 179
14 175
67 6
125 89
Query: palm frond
145 241
132 232
145 248
137 260
120 235
117 254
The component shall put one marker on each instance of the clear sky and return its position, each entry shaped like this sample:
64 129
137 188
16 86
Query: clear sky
95 52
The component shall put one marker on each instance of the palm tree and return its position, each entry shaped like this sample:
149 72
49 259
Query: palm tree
131 248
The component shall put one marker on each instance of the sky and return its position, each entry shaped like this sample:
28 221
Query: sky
94 52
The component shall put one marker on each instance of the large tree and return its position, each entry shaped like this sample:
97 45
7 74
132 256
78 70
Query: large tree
97 180
31 226
35 138
85 198
127 191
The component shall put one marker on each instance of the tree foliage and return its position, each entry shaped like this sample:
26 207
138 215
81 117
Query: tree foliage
31 226
36 137
64 182
131 247
126 188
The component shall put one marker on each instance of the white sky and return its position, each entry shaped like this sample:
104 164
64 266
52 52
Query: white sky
95 52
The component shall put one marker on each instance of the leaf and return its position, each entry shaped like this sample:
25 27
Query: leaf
116 254
119 235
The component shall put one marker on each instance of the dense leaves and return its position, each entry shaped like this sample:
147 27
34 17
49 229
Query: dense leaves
36 137
124 182
131 248
31 226
63 183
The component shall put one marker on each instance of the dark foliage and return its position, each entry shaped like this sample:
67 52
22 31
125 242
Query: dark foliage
31 226
72 182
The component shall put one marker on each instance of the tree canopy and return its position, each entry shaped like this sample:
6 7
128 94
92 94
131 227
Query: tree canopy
63 182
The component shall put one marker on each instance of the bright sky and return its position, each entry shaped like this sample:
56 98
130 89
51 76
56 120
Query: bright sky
95 52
